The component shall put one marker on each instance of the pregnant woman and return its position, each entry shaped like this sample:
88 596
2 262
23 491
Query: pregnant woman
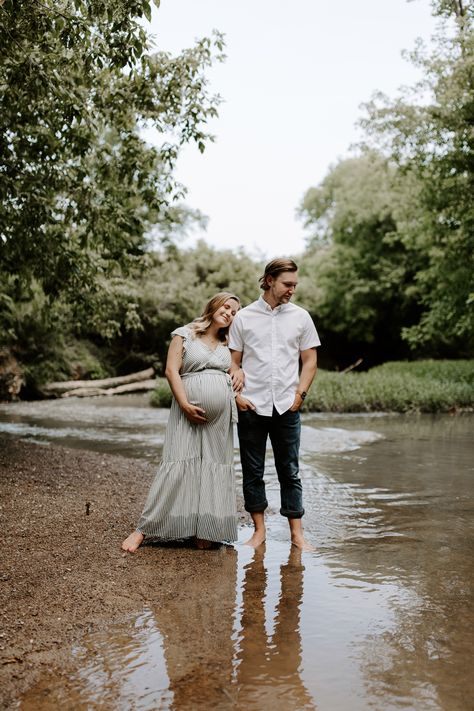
193 494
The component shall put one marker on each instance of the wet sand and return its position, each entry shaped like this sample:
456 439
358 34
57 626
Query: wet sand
63 575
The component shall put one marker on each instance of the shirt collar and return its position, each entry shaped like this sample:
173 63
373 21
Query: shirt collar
267 308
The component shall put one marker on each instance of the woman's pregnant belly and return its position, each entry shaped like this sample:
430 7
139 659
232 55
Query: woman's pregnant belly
209 391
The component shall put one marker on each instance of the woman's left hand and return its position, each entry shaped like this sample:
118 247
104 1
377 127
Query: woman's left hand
238 379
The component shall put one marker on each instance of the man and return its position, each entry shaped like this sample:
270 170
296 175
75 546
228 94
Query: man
268 339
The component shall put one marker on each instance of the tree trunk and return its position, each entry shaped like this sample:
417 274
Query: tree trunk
139 386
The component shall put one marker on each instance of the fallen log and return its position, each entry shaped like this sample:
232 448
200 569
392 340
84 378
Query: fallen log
84 392
133 387
141 386
66 385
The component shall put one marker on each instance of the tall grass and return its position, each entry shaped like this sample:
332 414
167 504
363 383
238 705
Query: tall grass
418 386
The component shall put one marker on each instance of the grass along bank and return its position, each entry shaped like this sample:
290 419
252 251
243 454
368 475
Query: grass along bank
418 386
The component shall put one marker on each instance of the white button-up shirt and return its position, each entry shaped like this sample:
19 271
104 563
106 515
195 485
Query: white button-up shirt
270 341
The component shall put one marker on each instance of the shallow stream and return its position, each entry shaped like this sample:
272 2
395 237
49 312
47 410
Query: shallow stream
380 616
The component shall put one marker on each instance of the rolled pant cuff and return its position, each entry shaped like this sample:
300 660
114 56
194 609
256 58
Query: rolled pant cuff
256 508
292 514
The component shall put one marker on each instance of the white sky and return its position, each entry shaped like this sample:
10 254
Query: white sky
295 76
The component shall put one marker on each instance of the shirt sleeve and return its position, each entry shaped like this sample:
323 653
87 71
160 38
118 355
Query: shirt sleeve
236 341
309 337
184 332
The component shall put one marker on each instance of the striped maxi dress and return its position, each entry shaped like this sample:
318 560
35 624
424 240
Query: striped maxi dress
193 493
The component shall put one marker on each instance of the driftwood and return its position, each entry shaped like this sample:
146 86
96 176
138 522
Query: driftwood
105 384
351 367
85 392
133 387
139 386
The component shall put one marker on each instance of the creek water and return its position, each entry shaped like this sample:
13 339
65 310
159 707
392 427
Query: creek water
380 616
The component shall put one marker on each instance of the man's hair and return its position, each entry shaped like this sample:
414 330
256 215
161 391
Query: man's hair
276 267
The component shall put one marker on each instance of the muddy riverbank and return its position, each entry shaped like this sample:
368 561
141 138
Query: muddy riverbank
64 513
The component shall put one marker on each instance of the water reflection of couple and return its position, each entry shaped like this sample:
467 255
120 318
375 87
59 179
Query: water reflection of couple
245 667
193 494
269 667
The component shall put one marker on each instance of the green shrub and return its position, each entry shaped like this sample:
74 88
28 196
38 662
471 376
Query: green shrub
161 395
419 386
423 386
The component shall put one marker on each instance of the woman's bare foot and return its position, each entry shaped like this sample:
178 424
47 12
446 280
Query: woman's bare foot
257 539
133 542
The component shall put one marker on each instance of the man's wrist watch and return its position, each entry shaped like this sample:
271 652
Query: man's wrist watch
303 394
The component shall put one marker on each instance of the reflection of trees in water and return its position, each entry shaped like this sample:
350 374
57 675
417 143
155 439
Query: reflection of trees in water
426 658
119 667
197 624
404 515
426 566
427 579
268 673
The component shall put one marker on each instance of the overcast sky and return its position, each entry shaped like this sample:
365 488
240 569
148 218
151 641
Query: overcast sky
295 76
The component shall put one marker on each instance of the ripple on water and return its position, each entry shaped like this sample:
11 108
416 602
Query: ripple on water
379 617
121 667
102 424
324 440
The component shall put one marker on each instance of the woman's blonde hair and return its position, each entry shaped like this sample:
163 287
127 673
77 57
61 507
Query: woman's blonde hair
201 324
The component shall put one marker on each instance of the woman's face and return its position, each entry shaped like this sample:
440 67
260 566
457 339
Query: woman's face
224 315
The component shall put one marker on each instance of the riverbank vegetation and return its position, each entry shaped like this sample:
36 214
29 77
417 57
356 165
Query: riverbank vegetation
420 386
93 272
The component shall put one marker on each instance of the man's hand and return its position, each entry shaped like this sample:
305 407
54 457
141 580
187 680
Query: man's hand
297 402
238 378
243 404
194 413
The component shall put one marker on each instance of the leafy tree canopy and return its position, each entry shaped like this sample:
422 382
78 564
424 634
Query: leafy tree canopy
79 187
429 134
391 250
357 272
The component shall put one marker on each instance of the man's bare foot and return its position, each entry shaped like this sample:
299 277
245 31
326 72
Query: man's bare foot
257 539
203 545
301 543
297 537
133 542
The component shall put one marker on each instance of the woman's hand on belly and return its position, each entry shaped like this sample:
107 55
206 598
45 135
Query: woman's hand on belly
194 413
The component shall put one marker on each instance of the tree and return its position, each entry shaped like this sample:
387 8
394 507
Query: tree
79 186
173 291
357 273
428 132
391 254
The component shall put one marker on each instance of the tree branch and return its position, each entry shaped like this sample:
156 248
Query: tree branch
70 18
459 9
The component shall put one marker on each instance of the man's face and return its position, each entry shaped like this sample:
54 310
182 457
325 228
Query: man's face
282 287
